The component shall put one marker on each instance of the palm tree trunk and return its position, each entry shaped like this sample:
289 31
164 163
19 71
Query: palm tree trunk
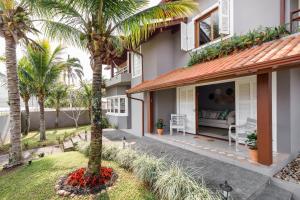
27 116
42 118
14 101
94 163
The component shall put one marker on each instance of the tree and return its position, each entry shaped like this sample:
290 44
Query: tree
94 25
87 96
15 22
75 97
57 98
26 90
73 70
45 68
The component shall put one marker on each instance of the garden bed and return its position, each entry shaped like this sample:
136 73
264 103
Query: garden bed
291 172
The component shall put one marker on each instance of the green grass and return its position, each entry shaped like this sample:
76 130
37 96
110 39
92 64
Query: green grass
32 139
36 182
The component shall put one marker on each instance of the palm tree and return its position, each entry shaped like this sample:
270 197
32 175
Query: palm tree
87 96
45 68
94 25
57 98
72 70
15 23
25 89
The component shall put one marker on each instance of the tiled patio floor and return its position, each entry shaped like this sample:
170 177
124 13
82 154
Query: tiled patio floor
220 149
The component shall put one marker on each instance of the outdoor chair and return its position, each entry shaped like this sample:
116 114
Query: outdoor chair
241 131
177 122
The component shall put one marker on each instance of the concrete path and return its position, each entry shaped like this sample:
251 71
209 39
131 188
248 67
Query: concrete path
246 183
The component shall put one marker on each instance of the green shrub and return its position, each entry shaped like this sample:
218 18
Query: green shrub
126 157
105 122
236 43
84 148
176 184
109 152
146 168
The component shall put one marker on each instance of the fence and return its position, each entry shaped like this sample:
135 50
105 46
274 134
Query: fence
4 129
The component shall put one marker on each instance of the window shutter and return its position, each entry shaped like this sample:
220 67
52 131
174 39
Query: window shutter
191 35
224 16
184 38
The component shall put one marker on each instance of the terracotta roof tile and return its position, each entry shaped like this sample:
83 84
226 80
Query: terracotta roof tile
268 56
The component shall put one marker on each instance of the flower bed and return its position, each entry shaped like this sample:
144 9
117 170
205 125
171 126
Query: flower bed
78 183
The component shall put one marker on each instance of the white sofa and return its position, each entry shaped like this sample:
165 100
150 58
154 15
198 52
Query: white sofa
213 119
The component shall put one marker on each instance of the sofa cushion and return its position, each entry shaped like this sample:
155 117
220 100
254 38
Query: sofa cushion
223 115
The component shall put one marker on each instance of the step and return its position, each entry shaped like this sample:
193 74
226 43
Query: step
273 192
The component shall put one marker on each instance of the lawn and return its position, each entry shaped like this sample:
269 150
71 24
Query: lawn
32 139
36 182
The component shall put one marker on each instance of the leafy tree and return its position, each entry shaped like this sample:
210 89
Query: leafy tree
45 67
87 96
94 25
25 89
15 23
57 98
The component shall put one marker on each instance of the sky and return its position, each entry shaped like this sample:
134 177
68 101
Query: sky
72 51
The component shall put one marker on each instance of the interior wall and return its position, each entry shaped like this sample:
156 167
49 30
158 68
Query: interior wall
205 103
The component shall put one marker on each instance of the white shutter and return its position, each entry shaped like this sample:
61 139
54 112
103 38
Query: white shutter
191 35
246 99
224 16
186 106
184 38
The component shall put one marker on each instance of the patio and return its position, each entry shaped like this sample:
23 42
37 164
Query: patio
220 150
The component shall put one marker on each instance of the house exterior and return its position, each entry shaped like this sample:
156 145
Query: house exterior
260 83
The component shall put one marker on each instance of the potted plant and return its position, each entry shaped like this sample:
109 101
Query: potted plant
160 127
252 144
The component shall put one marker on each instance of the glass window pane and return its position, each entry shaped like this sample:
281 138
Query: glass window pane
215 25
122 105
116 105
112 105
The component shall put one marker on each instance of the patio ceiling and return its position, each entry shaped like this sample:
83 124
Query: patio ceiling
275 55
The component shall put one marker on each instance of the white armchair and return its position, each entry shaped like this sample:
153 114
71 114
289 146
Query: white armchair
241 132
177 122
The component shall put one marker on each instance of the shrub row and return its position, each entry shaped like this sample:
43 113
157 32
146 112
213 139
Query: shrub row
237 43
168 181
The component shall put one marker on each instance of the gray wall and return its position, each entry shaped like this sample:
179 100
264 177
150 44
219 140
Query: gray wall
64 120
288 111
251 14
207 104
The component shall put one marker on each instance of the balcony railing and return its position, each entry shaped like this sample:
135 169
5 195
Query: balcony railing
294 21
122 70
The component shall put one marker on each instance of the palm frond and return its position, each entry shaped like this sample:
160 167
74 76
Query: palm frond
139 26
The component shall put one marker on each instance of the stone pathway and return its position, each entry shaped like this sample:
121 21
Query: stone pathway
246 184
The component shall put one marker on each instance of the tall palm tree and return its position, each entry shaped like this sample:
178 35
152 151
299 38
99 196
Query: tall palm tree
95 25
25 89
15 23
73 70
45 67
57 98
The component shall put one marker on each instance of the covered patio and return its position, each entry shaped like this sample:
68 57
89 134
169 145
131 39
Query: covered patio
253 71
220 150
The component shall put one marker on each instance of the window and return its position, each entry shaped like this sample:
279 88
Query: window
207 28
136 65
118 105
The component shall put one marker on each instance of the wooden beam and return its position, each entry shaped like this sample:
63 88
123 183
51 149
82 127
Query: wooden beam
150 112
282 12
264 118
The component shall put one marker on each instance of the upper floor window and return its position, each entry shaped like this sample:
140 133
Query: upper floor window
136 65
207 28
117 105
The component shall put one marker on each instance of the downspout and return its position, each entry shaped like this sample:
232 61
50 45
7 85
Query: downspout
143 111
